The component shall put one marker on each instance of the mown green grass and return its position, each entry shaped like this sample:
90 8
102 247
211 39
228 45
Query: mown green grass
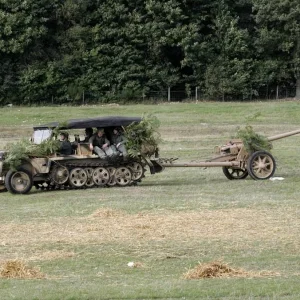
248 224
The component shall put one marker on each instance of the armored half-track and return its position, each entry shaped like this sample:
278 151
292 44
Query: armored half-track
83 168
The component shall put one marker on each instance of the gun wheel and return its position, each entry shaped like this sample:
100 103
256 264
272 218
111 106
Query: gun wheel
123 176
137 170
101 176
261 165
78 177
235 173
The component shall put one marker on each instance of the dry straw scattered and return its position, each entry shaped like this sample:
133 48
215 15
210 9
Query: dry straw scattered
18 269
219 269
107 213
235 228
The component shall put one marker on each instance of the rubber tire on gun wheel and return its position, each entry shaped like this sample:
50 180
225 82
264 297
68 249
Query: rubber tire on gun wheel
22 177
261 165
234 173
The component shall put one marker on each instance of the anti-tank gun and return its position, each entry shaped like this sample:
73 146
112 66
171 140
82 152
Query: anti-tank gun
237 161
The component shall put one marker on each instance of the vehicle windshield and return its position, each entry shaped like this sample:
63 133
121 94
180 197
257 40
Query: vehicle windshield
41 135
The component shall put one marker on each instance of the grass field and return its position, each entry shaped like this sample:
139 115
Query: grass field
83 240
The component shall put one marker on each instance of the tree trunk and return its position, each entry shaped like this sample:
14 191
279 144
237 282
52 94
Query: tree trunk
298 89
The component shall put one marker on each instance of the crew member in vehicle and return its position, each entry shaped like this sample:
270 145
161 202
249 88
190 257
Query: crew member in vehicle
65 144
88 134
99 144
118 142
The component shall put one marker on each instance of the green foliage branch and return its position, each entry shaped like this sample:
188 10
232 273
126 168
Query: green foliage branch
143 137
25 149
252 140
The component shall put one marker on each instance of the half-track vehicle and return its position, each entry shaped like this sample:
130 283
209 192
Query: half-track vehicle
82 169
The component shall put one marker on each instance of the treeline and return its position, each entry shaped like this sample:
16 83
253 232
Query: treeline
55 50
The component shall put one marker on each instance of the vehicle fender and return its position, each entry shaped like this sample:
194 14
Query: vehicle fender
40 165
27 166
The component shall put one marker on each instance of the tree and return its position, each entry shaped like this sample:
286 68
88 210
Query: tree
278 40
228 70
24 26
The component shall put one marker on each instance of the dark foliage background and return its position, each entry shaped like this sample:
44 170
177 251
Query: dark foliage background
58 51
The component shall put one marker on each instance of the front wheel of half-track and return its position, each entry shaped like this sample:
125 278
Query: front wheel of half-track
18 182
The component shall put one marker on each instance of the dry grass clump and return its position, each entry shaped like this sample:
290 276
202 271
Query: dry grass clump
107 213
214 270
221 270
18 269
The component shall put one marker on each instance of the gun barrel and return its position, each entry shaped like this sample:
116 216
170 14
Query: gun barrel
283 135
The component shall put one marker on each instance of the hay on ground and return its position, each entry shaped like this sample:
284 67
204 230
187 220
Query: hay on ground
18 269
221 270
107 213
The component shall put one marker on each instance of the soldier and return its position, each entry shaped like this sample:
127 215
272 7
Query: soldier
65 144
119 141
100 144
88 135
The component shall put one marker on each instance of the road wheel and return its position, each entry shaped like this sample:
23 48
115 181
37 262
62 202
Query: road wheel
137 170
261 165
101 176
18 182
78 177
235 173
60 174
123 176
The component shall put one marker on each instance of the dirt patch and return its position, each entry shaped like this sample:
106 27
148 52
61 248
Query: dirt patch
222 270
18 269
